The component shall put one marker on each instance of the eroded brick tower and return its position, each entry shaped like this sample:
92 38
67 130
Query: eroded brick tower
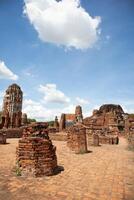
12 106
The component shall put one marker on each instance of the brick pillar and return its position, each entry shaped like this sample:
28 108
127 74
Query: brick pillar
76 139
95 139
2 138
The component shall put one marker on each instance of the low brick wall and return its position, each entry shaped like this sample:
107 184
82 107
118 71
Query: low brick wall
108 139
12 132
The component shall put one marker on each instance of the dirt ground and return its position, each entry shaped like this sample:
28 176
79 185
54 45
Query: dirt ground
106 173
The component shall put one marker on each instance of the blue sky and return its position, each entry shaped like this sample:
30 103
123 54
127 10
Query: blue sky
56 74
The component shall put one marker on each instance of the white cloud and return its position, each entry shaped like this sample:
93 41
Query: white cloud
6 73
52 94
63 23
82 101
2 94
38 111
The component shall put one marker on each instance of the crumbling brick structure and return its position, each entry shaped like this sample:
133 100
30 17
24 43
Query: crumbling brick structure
36 155
129 129
12 107
109 139
109 119
95 139
56 124
78 114
76 138
70 119
2 138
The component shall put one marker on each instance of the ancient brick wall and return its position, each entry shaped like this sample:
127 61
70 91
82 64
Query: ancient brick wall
12 132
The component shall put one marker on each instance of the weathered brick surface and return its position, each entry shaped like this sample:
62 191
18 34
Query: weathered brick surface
109 119
36 155
129 130
12 106
3 138
76 139
109 139
95 139
12 132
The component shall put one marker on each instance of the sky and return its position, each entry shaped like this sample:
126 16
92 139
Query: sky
66 53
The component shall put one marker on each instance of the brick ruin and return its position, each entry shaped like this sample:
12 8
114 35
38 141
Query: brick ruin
78 114
108 122
67 120
108 119
2 138
129 129
12 107
56 124
95 139
76 138
36 155
108 139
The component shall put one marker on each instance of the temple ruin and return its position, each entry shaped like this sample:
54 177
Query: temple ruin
129 129
108 119
70 119
12 107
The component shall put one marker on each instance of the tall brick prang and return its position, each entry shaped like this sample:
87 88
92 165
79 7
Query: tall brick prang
12 106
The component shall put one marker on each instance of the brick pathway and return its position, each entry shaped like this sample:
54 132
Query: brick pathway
107 173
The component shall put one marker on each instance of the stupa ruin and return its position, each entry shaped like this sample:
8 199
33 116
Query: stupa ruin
12 107
70 119
36 155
